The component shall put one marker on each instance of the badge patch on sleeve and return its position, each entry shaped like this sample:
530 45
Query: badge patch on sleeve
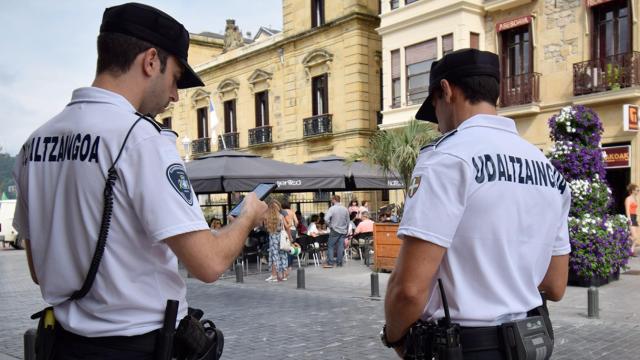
415 184
179 180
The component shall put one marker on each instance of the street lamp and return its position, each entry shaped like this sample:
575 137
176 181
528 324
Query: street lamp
186 142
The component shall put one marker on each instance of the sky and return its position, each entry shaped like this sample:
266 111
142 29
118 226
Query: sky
47 49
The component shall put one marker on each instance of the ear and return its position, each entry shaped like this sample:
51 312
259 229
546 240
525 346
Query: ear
447 90
150 62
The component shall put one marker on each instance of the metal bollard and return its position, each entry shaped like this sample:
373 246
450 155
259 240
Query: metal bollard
30 344
239 273
300 278
375 285
593 306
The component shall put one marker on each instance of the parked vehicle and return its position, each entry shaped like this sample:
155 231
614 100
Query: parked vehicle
7 233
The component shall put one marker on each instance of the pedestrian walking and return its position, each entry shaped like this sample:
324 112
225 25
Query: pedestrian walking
337 219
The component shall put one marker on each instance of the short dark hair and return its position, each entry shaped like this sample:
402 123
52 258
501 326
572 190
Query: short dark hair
116 53
480 88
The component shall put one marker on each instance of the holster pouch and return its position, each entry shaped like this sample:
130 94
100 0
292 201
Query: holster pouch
45 334
197 339
527 339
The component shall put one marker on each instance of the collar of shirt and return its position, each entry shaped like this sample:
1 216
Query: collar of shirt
491 121
99 95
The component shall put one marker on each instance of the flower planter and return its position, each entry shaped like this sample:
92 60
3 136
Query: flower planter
580 281
386 246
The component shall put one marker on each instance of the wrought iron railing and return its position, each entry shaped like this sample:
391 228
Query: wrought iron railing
231 141
317 125
260 135
200 146
607 73
520 89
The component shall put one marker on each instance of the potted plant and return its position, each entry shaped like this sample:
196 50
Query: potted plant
600 245
396 152
612 76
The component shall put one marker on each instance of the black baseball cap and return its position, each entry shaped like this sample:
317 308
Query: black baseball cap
155 27
454 66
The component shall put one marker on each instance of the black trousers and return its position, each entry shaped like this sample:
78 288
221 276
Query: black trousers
70 346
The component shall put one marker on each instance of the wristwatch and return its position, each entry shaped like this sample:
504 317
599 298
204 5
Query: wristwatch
385 341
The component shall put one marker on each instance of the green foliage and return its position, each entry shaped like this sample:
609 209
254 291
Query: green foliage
396 150
6 168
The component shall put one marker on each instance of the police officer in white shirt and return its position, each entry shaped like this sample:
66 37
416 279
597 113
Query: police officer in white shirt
486 213
155 220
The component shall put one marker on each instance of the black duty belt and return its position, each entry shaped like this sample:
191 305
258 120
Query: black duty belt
480 338
142 343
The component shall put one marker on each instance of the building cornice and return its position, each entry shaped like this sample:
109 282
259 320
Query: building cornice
424 16
205 40
280 41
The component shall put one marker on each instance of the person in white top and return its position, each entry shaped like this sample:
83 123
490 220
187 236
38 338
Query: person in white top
486 213
60 174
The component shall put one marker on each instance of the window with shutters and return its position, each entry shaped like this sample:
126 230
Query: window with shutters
262 108
166 122
447 44
395 78
474 40
418 65
320 93
317 13
202 119
230 124
612 29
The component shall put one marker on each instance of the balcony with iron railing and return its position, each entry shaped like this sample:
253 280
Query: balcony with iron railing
230 140
200 147
520 89
605 74
317 125
260 135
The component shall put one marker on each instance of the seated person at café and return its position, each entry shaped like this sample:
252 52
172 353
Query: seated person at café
366 225
313 229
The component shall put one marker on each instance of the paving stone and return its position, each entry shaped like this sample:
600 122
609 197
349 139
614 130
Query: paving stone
334 317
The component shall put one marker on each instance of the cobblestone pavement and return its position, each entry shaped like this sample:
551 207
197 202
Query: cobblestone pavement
334 317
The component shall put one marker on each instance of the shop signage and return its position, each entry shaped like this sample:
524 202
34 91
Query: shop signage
513 23
591 3
617 157
630 117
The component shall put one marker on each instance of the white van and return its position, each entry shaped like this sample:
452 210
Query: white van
7 233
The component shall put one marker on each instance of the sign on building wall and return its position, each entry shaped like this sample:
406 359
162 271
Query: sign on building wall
630 117
591 3
617 157
513 23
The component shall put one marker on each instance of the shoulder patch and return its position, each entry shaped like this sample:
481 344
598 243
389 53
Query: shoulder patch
179 180
440 139
415 184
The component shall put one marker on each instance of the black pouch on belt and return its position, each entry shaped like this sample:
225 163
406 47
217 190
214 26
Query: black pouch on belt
45 335
197 339
527 339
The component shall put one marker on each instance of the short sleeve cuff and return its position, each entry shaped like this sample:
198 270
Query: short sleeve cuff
179 229
561 251
424 235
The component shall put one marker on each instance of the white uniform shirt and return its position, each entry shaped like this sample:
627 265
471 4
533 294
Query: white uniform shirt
500 208
61 172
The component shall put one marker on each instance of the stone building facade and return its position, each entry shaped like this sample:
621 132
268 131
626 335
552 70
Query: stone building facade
309 91
554 53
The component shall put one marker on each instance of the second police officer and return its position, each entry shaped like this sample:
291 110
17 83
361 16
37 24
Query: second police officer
486 213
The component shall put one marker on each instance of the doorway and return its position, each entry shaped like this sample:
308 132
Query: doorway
618 180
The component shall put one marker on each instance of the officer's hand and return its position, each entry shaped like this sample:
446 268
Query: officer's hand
253 209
